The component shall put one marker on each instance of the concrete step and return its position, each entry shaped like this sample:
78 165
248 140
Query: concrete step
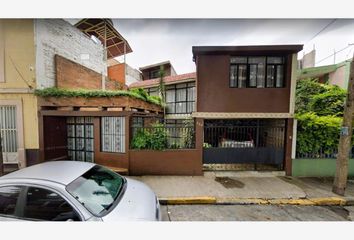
8 168
122 171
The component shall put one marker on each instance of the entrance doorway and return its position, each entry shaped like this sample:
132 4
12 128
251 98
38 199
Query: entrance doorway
9 134
244 141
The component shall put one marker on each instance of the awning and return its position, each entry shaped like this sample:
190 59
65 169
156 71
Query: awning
104 30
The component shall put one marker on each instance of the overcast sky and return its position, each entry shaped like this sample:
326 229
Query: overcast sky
157 40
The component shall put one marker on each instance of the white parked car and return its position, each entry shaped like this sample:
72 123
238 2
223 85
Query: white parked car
74 191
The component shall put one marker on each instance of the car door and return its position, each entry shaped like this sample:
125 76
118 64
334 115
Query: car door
42 204
9 201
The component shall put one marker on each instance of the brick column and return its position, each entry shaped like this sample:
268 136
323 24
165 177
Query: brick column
199 138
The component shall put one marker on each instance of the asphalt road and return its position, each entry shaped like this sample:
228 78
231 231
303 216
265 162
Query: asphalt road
255 213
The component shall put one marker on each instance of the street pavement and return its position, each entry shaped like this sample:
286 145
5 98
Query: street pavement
222 187
256 213
225 187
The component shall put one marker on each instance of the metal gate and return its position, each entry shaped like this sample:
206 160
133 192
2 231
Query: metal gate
9 134
244 141
80 139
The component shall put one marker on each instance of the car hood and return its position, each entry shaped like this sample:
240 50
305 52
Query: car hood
137 203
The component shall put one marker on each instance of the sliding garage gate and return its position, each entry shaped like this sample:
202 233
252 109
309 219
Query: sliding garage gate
256 141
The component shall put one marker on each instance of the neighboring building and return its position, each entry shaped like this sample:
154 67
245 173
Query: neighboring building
179 98
308 60
179 93
245 97
18 106
123 73
43 53
152 71
336 74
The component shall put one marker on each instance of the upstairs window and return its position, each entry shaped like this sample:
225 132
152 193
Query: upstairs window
180 98
154 74
256 72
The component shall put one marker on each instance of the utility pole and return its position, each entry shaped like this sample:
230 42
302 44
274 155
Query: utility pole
340 179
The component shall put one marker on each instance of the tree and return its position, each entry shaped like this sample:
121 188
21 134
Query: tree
321 99
340 179
162 89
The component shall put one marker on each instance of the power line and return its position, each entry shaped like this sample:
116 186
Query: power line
324 28
348 53
333 54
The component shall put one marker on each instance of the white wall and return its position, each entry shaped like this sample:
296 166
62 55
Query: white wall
132 75
56 36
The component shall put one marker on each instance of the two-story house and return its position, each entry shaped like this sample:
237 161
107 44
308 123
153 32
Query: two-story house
37 54
245 96
179 99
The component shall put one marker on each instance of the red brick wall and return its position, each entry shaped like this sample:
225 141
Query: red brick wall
114 85
116 73
72 75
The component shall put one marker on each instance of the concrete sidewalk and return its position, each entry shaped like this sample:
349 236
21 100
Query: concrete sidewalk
246 188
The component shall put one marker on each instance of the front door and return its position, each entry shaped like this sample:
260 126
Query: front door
9 134
80 138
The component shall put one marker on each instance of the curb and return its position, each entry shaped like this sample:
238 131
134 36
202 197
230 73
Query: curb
187 200
325 201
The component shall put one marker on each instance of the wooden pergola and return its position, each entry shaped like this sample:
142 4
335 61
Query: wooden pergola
104 30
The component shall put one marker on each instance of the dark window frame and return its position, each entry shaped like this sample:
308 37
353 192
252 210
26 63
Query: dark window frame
24 202
248 73
154 73
149 91
86 138
174 87
21 201
18 201
101 136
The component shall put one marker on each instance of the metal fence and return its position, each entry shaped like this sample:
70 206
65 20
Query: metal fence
244 136
171 137
323 153
227 144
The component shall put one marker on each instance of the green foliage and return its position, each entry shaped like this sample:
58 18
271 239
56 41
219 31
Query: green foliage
158 139
155 138
321 99
188 133
319 111
206 145
175 146
135 93
140 139
140 92
330 102
317 132
305 90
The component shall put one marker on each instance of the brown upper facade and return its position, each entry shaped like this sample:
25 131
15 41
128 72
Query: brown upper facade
246 79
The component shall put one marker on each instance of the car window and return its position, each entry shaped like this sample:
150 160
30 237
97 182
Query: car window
45 205
8 200
97 189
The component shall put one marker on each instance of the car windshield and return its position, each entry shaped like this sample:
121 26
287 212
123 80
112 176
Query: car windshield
97 189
